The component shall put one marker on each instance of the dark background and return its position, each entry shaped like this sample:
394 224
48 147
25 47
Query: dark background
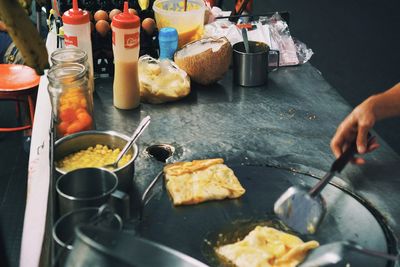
356 47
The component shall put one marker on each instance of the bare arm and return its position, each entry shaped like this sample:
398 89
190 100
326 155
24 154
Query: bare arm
387 104
363 118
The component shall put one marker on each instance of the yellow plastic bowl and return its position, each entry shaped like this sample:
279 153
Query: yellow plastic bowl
189 24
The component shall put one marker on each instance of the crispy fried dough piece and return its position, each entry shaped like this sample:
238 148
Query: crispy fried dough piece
266 246
297 254
180 168
201 180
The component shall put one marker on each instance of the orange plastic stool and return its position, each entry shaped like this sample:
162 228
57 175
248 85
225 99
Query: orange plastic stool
19 83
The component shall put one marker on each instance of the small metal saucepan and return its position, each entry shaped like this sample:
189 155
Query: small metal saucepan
82 140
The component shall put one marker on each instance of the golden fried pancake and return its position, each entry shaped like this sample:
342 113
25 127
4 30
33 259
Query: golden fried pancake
267 247
201 180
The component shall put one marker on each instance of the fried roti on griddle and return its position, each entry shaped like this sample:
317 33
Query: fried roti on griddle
201 180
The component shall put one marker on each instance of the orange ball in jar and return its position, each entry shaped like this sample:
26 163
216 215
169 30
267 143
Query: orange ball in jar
73 114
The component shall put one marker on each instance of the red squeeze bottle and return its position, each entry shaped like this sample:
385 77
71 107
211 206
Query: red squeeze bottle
77 33
126 43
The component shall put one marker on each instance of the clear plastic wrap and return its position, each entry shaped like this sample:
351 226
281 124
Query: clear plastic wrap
161 81
291 52
303 52
271 30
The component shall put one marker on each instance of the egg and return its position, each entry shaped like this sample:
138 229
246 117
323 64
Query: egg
114 12
100 15
132 11
102 27
149 25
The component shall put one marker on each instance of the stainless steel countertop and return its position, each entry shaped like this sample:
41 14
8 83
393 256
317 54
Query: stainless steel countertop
287 123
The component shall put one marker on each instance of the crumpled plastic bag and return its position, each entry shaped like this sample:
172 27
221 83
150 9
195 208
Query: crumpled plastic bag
304 53
271 30
161 81
291 53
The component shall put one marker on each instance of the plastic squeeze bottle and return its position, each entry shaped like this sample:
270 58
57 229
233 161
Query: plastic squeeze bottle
125 38
77 34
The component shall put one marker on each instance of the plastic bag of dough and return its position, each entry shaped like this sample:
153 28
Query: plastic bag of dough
161 81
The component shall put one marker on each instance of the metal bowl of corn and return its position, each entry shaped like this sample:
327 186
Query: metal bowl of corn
96 149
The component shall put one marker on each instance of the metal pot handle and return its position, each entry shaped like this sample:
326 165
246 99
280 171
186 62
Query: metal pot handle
275 53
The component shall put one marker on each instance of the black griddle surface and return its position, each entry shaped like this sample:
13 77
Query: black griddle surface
195 229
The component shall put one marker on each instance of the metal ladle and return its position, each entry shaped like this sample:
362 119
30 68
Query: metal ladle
338 253
138 132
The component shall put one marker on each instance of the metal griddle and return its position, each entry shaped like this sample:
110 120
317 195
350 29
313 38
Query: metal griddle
196 229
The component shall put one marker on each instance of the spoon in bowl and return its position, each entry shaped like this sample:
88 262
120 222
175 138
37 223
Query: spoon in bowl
138 132
245 40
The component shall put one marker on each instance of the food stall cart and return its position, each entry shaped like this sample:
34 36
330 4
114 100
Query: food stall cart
272 136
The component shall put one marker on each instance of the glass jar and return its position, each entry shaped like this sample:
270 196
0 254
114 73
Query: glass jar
73 55
71 98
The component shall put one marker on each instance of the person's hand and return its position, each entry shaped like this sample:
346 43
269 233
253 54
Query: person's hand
356 127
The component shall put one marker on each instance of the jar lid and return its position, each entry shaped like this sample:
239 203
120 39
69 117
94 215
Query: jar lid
168 34
66 73
75 15
125 20
69 55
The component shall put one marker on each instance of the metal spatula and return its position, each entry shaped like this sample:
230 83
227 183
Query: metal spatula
302 208
338 254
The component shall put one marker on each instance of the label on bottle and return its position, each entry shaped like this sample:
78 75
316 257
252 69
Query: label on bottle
131 40
70 40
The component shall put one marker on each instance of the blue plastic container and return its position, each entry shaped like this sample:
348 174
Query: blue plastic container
168 39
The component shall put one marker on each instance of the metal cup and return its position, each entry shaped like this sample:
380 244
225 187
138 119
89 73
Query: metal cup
88 187
251 68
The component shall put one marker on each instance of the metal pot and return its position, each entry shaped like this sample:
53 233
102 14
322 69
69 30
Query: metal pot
94 246
64 229
82 140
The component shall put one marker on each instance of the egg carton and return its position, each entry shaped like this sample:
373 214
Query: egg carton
93 5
